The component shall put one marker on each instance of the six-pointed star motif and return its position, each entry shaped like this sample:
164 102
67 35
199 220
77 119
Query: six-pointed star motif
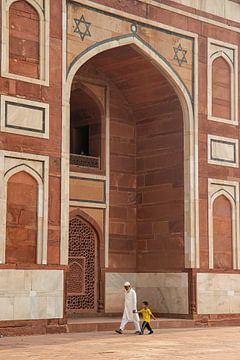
180 54
82 27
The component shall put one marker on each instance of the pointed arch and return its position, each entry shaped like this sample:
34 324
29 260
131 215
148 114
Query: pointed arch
21 218
27 36
41 244
33 3
190 144
216 56
214 197
83 276
43 13
87 218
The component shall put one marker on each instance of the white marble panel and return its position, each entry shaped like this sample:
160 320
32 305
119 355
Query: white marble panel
24 117
31 294
218 293
165 292
21 307
6 308
223 151
54 283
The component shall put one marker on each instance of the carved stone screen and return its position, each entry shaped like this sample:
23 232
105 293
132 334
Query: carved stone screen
82 277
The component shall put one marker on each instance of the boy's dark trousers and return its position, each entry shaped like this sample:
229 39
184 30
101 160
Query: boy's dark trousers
146 325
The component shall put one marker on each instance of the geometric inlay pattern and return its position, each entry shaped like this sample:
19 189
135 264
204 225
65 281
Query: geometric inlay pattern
180 55
82 27
81 293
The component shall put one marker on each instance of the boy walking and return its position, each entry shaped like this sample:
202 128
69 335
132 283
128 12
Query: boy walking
146 315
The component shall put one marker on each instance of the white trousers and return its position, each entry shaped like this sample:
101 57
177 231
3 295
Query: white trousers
125 321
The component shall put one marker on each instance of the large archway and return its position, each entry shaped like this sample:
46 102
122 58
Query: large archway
190 147
149 160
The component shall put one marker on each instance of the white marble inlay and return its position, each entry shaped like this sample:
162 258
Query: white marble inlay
218 293
24 117
26 295
222 151
165 292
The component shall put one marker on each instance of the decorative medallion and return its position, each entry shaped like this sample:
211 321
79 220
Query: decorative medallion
180 55
82 27
134 28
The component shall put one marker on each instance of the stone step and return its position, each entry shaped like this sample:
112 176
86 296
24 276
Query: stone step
103 324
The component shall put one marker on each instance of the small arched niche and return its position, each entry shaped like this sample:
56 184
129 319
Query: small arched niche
85 129
221 88
222 233
22 221
24 40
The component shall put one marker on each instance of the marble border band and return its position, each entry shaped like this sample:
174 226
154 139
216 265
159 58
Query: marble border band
171 9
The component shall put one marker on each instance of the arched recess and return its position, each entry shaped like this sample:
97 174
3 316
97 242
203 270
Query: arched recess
190 145
222 233
84 293
93 120
228 197
41 242
91 94
221 106
43 49
21 224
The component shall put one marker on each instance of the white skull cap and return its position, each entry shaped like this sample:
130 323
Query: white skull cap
127 283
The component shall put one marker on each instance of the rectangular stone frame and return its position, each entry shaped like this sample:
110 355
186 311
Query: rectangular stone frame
27 131
224 141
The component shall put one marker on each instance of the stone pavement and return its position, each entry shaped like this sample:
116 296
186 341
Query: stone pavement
177 344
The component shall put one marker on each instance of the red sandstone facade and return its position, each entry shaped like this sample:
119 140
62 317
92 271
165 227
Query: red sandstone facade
119 159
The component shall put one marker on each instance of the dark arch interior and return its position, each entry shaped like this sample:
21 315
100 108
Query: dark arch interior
85 129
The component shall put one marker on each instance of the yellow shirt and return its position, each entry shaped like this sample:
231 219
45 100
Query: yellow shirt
146 314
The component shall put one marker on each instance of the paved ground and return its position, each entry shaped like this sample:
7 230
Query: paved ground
192 344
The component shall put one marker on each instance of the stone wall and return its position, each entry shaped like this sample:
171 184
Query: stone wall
31 294
160 179
167 293
218 293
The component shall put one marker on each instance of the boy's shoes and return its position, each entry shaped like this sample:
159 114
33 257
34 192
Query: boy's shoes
138 333
150 333
119 331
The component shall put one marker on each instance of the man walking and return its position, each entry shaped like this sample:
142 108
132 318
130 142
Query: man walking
130 310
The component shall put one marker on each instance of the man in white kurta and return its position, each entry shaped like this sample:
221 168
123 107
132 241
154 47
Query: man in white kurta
130 309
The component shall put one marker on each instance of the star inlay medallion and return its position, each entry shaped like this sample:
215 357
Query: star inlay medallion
82 27
180 55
